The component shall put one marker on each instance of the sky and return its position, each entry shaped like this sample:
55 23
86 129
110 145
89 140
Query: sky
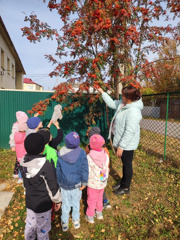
32 57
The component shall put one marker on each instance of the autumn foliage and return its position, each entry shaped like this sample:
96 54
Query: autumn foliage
165 71
103 42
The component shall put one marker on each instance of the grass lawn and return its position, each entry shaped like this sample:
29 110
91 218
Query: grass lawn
150 211
154 144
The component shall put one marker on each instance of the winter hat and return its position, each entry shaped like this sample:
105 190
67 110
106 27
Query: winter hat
22 124
33 122
96 142
94 130
57 113
34 144
72 140
22 120
20 114
46 134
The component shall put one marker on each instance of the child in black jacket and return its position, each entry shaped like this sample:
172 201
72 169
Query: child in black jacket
41 188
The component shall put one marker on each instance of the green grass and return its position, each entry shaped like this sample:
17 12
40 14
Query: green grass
154 144
150 211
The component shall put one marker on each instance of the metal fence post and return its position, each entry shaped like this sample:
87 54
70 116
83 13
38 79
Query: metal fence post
167 107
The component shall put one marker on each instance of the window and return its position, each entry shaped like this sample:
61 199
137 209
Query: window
2 59
30 87
8 66
13 74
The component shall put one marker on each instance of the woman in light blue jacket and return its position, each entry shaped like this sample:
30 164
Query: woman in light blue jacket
125 127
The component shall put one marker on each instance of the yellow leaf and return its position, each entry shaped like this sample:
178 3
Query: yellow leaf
102 230
76 236
9 222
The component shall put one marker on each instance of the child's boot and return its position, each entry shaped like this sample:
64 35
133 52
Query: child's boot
99 215
65 226
89 219
76 224
106 204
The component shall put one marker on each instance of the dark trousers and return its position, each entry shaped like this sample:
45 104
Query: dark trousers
127 170
16 167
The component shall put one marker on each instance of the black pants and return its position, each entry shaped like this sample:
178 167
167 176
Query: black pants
127 170
16 167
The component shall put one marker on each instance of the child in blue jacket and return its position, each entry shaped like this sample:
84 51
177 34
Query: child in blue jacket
72 176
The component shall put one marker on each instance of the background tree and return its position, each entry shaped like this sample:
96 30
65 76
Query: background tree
165 71
102 43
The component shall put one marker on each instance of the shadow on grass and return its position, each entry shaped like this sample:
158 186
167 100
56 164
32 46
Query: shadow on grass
113 173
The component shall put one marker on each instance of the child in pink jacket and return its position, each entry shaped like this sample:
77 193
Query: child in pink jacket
21 117
98 162
19 138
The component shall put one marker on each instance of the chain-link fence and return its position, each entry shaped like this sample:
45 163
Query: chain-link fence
160 126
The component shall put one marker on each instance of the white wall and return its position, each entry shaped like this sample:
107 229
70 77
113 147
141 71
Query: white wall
7 78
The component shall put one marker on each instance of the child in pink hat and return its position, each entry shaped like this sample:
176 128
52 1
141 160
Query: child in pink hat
19 138
98 162
19 125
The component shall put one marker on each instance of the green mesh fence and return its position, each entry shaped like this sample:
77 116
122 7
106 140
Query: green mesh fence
160 126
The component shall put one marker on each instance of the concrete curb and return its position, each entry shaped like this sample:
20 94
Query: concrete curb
5 198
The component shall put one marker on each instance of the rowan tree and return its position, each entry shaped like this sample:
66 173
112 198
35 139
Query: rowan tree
102 43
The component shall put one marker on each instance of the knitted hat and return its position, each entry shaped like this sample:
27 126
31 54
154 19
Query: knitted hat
46 134
22 124
57 113
34 144
72 140
96 142
33 122
94 130
20 114
22 120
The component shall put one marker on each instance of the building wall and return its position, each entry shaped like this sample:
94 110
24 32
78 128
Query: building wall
31 87
7 67
19 80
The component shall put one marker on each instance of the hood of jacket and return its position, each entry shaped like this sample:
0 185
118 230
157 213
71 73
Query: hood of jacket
99 158
69 155
19 137
136 104
28 131
32 164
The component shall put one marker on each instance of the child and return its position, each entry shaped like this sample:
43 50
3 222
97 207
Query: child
51 154
34 124
98 162
19 115
97 130
58 139
41 188
72 175
19 138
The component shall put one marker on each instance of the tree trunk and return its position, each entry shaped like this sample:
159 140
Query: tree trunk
116 87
